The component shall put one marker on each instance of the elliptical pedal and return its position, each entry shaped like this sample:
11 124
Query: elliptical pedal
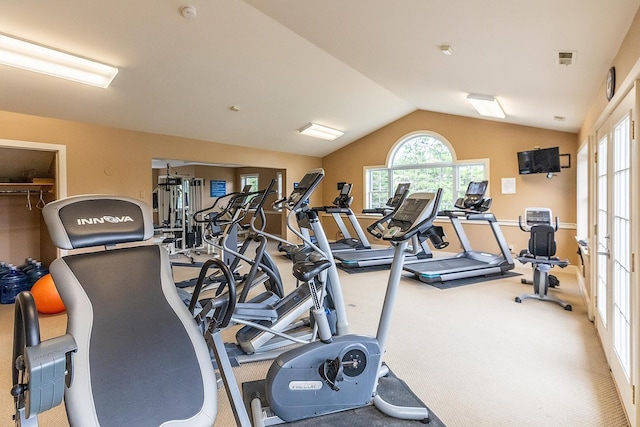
331 372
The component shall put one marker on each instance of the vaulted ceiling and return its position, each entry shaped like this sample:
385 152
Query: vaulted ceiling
354 65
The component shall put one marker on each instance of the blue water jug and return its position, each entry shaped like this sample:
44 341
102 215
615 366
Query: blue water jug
4 268
35 273
28 262
27 268
11 284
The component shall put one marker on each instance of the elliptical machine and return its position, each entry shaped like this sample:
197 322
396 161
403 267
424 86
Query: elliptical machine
336 373
540 253
221 231
269 324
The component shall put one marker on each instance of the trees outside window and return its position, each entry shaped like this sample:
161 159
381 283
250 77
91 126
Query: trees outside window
427 161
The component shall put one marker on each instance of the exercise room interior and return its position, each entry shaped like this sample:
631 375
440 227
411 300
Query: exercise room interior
218 92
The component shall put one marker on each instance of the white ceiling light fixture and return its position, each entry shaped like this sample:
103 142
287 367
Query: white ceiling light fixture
320 131
40 59
486 105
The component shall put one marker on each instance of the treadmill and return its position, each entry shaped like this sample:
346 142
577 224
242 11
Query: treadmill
469 263
342 206
383 256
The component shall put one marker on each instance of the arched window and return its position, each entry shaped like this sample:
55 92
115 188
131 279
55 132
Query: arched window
428 162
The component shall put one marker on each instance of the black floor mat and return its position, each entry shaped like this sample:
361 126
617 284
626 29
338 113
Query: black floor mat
390 388
450 284
187 264
353 270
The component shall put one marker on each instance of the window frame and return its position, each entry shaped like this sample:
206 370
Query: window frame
389 168
250 176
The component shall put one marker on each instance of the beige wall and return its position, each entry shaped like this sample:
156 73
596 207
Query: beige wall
472 139
102 159
625 63
108 160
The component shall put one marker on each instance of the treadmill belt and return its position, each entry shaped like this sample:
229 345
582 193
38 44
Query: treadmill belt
365 254
444 266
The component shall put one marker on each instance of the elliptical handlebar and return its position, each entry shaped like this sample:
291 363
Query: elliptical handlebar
259 206
223 305
277 205
216 203
393 204
237 201
376 227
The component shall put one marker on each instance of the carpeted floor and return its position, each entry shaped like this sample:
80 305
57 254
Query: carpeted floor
471 354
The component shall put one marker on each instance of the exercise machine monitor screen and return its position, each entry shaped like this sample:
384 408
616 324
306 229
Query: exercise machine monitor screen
477 188
413 210
302 191
535 216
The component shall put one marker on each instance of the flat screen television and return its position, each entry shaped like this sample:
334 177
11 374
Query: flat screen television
543 160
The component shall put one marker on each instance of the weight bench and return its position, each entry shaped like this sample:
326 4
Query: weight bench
133 354
541 251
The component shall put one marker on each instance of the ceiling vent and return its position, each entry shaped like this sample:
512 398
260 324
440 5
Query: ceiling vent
565 57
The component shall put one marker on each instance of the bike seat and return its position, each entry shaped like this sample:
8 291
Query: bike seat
307 270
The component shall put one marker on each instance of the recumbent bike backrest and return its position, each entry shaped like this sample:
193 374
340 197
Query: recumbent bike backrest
542 241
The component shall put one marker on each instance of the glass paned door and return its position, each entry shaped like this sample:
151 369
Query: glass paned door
615 238
602 233
621 253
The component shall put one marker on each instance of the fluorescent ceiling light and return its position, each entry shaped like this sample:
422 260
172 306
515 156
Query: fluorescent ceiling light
486 105
322 132
32 57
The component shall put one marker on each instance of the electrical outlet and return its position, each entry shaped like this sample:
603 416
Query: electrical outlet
512 248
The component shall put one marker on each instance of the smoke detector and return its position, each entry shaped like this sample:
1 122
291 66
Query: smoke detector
188 12
565 57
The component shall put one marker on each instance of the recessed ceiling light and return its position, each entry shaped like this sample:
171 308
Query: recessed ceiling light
321 131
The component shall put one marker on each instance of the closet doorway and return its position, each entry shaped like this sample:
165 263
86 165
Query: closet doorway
31 175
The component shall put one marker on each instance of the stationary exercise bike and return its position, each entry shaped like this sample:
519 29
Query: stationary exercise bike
532 217
540 253
335 373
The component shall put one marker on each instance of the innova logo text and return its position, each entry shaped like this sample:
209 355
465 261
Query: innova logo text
107 218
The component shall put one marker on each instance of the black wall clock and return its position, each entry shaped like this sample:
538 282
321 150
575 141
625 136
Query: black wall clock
611 83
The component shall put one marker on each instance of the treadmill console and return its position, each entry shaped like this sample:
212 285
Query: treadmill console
344 199
474 197
304 189
402 190
416 210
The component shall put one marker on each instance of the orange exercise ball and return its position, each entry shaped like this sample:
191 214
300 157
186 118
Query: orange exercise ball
46 296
